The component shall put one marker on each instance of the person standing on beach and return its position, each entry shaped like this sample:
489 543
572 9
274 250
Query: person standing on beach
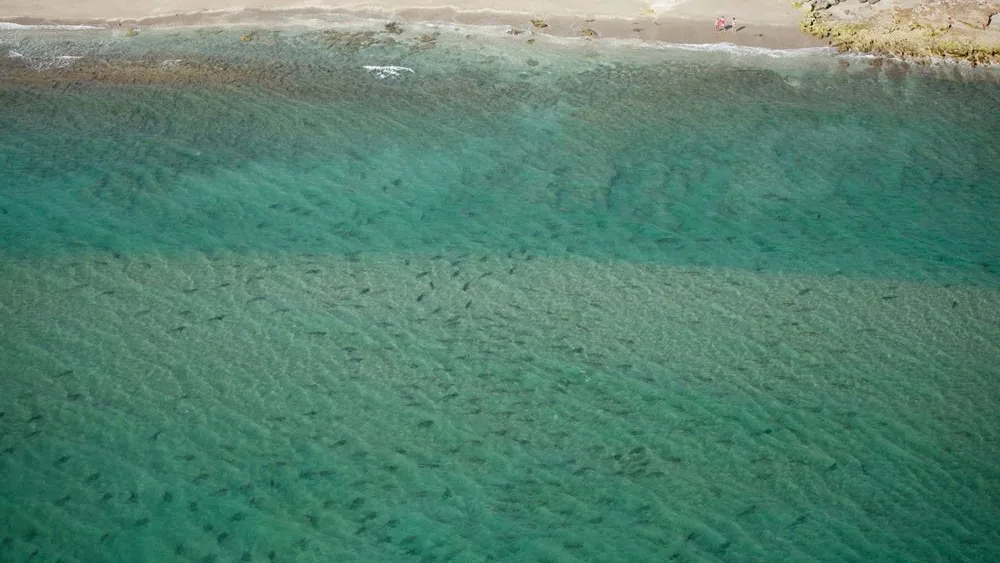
720 23
732 23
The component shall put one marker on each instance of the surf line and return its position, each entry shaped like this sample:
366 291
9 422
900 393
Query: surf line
386 71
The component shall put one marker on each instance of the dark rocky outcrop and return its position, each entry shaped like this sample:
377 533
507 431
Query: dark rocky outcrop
910 29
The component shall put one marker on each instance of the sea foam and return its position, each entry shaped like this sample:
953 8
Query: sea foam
386 71
10 26
747 50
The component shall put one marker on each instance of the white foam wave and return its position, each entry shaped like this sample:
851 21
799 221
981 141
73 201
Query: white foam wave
722 48
386 71
46 62
661 6
747 50
9 26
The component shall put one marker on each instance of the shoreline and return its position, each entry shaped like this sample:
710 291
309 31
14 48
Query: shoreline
247 49
760 24
909 34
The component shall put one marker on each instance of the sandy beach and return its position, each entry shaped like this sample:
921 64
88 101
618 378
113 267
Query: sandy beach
762 23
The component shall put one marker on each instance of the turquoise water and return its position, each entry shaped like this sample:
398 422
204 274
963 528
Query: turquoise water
528 302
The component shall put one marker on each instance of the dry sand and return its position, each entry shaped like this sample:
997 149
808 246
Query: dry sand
764 23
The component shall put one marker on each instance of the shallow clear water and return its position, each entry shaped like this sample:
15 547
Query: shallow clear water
534 302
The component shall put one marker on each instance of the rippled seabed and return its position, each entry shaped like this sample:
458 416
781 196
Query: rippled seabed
526 302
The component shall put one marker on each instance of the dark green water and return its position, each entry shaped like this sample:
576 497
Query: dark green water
526 302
